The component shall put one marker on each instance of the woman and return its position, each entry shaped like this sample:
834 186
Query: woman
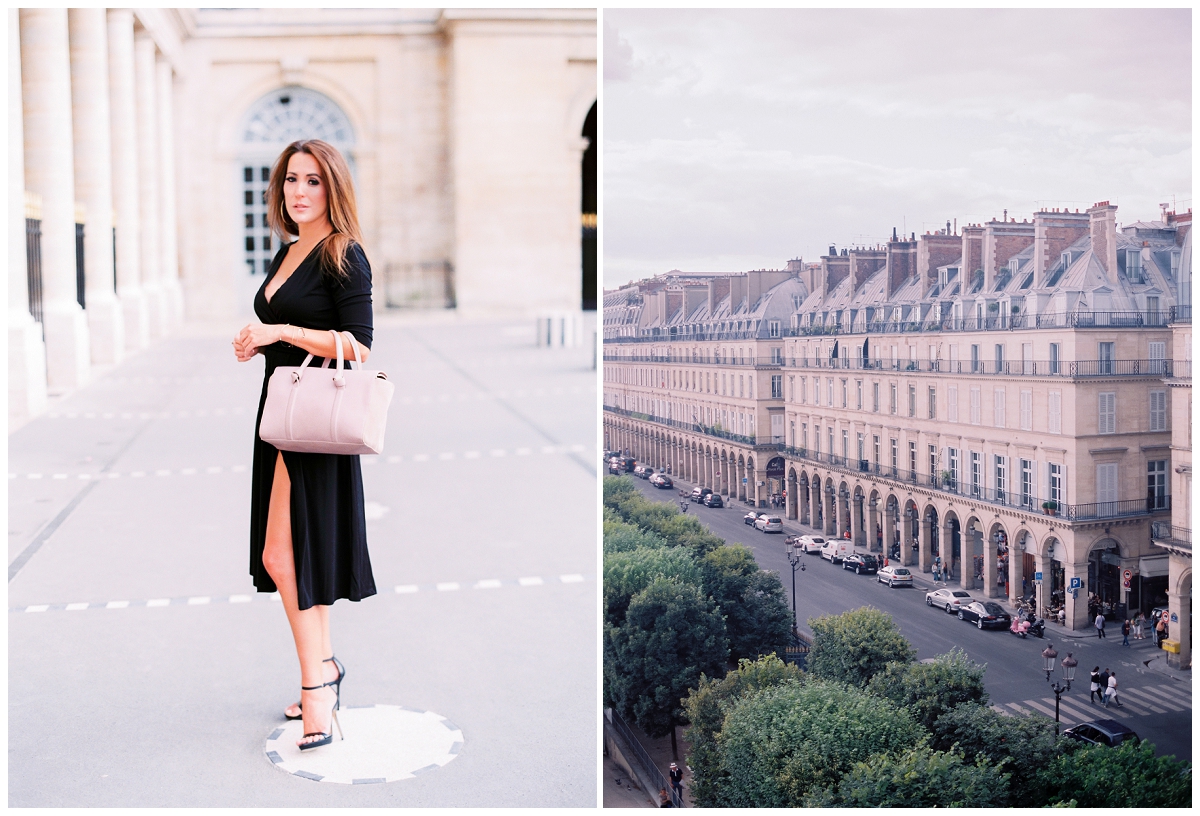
1095 680
307 520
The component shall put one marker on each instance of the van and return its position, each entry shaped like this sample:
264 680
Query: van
836 549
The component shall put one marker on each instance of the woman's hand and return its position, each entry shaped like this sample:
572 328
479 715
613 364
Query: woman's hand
256 335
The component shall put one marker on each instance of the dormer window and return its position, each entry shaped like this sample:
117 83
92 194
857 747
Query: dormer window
773 327
1133 265
1013 265
1066 259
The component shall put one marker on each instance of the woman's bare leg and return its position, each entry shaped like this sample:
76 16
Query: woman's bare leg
310 627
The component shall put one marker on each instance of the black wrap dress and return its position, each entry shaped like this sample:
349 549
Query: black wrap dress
329 530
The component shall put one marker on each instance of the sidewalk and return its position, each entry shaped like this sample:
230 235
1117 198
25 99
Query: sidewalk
146 671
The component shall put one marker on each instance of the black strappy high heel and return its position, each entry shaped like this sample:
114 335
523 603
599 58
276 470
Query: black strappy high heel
337 686
326 738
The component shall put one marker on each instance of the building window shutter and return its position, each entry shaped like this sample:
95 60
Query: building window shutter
952 407
1027 410
998 414
1158 410
1106 482
974 406
1108 413
1055 412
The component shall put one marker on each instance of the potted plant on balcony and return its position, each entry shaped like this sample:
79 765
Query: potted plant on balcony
1050 508
947 478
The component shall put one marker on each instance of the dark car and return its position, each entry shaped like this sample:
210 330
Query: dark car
860 563
713 500
985 613
661 481
1102 732
698 493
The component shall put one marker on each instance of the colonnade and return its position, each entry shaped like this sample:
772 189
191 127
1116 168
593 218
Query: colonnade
90 142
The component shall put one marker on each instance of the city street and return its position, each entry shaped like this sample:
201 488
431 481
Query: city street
144 670
1157 701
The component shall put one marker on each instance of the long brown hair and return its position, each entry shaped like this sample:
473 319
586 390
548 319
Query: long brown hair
339 198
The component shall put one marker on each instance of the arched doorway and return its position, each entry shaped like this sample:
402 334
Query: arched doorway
588 212
1104 579
274 121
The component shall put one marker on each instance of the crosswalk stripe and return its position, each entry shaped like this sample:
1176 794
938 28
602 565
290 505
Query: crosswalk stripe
1082 716
1153 703
1049 710
1000 710
1017 707
1164 693
1135 706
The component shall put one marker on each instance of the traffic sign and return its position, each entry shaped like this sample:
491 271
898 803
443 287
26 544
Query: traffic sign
1126 583
744 480
1076 583
1127 575
1037 576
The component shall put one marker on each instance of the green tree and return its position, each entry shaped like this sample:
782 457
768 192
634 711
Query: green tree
757 616
628 573
855 646
1127 776
705 708
617 488
779 744
620 536
1015 744
672 634
931 689
917 777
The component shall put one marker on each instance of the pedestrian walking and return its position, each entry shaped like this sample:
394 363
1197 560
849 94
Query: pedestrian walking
676 775
1111 693
1103 679
1125 629
1099 625
664 800
307 517
1160 631
1095 686
1138 622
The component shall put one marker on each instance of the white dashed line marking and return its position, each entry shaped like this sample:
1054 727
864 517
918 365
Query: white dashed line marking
406 589
116 605
159 602
532 581
490 583
449 586
570 579
76 607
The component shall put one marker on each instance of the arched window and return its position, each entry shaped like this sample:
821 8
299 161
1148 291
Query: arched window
271 124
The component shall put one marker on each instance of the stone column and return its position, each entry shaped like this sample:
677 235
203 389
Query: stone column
1016 560
149 190
831 520
26 350
1179 604
125 186
906 538
856 531
872 527
889 530
760 490
49 172
947 549
1077 617
970 542
925 550
990 572
173 292
1041 563
93 179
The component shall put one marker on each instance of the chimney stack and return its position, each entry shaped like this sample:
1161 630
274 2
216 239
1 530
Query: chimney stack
1103 225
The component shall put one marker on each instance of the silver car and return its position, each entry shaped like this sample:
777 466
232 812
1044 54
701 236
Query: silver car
948 599
894 576
812 543
769 524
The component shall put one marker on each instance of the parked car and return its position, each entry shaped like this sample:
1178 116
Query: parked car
948 599
1102 732
836 549
661 481
860 563
698 493
750 517
615 467
713 500
985 613
894 576
769 524
812 543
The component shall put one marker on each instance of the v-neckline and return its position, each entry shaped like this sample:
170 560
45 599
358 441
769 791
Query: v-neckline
292 274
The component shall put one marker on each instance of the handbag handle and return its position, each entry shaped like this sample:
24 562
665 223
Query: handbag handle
355 364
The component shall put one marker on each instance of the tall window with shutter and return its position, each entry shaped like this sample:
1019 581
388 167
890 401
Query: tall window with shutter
998 408
1055 412
1106 487
1108 413
1056 483
1027 410
1158 352
975 406
952 403
1158 410
1000 469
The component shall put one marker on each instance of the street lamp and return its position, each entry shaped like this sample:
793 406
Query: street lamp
1048 658
1068 664
794 554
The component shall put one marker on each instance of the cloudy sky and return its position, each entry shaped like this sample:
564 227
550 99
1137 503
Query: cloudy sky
736 140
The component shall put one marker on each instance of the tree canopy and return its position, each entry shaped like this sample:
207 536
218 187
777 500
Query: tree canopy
757 617
929 690
855 646
917 777
1126 776
628 573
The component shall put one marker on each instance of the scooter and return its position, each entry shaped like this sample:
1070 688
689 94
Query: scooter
1019 626
1023 625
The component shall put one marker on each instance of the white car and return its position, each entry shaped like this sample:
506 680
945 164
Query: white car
769 524
750 517
948 599
835 549
812 543
894 576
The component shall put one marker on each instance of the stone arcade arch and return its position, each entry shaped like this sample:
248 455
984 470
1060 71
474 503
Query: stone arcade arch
792 494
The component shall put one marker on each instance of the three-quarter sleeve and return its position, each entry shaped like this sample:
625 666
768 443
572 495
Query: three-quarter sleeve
352 296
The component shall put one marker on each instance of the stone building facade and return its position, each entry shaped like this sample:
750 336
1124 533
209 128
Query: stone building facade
139 140
993 396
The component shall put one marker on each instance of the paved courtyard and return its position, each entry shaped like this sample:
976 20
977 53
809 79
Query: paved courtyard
145 671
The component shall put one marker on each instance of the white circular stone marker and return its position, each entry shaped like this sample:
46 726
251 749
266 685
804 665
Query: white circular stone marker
383 743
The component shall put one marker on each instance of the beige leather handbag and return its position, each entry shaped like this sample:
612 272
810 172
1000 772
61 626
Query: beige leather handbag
327 410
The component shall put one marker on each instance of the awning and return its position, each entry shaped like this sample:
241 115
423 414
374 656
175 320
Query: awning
1155 566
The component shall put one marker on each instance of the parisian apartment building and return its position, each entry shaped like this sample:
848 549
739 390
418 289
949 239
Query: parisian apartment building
141 141
1010 398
